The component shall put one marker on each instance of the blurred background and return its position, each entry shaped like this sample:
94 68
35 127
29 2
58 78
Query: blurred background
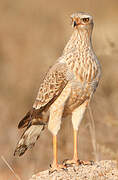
32 36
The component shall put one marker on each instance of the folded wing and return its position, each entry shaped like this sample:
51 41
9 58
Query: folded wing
53 84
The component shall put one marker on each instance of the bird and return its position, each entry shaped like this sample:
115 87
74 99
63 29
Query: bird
67 89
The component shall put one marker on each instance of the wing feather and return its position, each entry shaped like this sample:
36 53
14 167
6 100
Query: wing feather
53 84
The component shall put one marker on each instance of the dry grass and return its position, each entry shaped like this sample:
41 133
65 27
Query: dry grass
11 169
32 36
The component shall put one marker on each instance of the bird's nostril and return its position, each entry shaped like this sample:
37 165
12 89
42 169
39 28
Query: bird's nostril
74 23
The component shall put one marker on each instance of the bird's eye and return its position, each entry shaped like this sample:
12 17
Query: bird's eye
85 20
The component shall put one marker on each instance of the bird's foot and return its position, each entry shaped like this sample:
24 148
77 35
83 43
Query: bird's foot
57 167
77 162
91 162
68 162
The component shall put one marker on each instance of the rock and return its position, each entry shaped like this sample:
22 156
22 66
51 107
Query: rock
102 170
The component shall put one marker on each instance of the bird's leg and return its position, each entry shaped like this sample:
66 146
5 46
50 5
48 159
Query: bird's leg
75 159
54 151
77 116
55 166
75 156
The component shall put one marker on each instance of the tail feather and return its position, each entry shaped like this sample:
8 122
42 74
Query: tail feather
28 139
25 121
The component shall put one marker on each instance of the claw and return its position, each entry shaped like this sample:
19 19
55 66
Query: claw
57 167
70 163
86 162
65 162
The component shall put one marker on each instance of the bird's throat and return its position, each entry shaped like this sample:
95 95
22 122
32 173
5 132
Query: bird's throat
80 39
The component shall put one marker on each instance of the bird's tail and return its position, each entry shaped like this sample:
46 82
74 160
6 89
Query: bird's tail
28 139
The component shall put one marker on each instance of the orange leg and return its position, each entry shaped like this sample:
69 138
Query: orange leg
55 166
55 150
75 156
75 159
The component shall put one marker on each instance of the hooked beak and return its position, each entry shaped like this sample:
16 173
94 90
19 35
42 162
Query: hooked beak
76 22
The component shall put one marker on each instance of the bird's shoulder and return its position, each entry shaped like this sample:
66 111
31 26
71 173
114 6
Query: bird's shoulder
53 84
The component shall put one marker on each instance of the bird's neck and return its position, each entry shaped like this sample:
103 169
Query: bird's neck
80 39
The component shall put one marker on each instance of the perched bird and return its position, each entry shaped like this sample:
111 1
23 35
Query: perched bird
67 89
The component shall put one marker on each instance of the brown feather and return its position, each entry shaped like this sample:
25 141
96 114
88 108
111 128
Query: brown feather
28 139
48 96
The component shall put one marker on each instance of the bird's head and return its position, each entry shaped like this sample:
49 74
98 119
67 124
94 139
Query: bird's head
82 20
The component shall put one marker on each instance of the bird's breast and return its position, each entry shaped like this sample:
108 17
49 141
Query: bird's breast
84 66
79 94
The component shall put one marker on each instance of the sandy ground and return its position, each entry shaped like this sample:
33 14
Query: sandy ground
103 170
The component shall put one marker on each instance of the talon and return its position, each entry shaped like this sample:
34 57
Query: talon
69 163
57 167
86 162
64 161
